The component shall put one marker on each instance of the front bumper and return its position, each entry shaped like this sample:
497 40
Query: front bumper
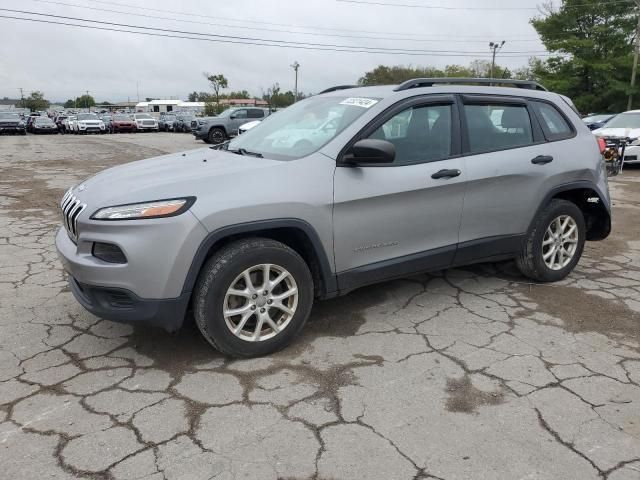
200 134
147 127
12 129
632 155
120 305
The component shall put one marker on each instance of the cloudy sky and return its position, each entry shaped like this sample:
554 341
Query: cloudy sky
64 61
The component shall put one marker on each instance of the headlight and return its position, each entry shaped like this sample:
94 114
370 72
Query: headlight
154 209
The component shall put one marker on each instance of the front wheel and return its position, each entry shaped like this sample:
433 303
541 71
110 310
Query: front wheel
555 244
253 297
216 136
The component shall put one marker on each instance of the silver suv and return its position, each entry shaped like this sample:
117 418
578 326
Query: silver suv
344 189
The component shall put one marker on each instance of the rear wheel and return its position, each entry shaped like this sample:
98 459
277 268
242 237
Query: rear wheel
216 135
253 297
555 244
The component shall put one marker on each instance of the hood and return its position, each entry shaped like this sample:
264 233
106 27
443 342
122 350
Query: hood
170 176
617 132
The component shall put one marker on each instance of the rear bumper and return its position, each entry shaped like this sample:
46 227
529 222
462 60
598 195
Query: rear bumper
123 306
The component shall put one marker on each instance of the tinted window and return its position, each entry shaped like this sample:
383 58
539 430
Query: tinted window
420 134
553 123
240 114
255 113
497 127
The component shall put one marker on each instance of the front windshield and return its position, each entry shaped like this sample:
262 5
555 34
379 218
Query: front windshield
169 117
625 120
303 128
87 116
9 116
43 120
226 113
122 118
142 115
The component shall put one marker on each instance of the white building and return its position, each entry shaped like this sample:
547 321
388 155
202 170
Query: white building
167 106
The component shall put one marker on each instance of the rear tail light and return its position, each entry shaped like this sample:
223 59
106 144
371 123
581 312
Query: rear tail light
602 144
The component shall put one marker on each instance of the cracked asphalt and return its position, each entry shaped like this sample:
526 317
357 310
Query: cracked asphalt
472 373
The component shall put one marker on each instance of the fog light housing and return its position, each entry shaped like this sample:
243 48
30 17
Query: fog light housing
108 252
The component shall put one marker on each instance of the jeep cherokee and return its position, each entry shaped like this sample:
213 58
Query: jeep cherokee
347 188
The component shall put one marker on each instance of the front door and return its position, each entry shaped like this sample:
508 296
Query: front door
402 218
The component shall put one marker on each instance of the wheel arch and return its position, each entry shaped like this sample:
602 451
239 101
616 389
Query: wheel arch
220 126
295 233
591 202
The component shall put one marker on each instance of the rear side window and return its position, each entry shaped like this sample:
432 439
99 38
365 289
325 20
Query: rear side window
256 113
498 127
553 123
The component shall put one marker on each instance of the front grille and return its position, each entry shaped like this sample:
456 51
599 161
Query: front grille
148 122
71 210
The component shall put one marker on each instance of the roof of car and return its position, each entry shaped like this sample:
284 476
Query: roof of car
384 91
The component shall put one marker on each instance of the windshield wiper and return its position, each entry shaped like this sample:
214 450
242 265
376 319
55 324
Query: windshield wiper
244 151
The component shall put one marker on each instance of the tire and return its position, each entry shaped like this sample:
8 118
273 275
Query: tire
224 270
531 261
216 136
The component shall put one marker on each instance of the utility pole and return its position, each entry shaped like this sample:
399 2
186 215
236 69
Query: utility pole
495 47
138 90
635 60
296 66
86 101
22 97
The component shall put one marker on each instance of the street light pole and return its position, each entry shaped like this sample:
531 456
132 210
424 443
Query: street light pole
296 66
495 48
635 60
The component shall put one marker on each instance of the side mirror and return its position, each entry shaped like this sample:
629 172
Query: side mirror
233 116
370 150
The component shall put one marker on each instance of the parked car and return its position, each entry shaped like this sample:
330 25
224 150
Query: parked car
597 121
12 123
249 233
248 126
145 122
218 129
166 122
88 123
183 122
68 123
122 123
44 125
625 126
30 119
106 119
59 121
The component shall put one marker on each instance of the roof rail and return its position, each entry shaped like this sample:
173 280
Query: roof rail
430 82
339 87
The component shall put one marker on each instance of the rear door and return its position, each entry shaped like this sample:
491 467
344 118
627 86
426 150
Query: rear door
401 218
508 163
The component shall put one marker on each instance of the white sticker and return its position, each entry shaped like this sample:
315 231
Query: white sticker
359 102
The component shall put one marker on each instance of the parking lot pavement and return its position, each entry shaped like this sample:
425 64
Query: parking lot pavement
471 373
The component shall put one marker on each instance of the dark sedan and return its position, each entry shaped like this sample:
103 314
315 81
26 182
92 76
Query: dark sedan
596 121
44 125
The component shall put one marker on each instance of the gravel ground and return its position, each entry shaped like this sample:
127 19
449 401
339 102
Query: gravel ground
465 374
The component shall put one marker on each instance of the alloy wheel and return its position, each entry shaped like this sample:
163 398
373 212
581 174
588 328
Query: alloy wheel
560 242
260 303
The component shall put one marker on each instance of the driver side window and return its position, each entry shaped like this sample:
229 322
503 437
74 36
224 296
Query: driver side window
420 134
240 114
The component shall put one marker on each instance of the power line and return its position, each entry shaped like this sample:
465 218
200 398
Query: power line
486 9
309 27
287 43
226 25
298 47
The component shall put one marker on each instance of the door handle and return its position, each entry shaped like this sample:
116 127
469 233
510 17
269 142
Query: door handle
542 160
446 174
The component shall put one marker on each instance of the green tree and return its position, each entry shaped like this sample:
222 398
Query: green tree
36 101
70 103
385 75
217 83
592 45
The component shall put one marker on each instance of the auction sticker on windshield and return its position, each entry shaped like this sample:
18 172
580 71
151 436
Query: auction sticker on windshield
360 102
